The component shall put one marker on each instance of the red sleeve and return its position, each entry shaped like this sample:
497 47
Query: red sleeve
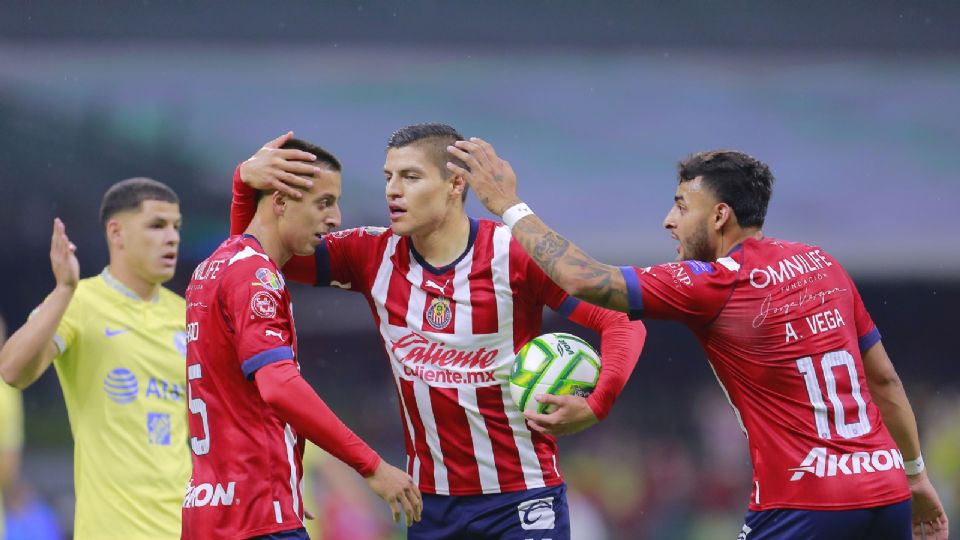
243 206
620 344
692 292
283 388
258 317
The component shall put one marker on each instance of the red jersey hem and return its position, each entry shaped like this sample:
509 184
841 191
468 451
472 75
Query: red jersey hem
510 488
841 506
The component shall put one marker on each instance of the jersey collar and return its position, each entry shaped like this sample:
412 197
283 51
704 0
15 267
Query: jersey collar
115 284
474 226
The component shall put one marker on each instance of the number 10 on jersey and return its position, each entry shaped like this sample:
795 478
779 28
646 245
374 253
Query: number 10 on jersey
833 365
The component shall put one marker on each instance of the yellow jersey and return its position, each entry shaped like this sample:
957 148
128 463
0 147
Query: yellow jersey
11 429
122 368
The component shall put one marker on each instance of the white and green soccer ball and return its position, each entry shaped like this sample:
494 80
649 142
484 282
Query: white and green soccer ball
557 363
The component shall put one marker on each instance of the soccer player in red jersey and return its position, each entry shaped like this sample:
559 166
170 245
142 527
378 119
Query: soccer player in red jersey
249 407
832 436
454 299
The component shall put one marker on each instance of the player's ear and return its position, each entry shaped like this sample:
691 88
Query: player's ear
278 202
114 233
458 184
722 215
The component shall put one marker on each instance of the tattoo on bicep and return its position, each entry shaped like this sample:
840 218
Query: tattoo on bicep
559 259
604 290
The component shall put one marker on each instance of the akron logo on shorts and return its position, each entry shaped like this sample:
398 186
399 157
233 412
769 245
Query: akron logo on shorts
537 514
263 305
439 313
121 386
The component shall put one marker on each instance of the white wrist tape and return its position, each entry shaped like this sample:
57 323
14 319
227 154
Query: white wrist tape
515 213
914 466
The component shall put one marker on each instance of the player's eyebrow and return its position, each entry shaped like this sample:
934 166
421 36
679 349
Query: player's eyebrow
679 198
407 170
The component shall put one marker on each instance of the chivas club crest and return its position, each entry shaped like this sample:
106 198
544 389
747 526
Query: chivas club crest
439 313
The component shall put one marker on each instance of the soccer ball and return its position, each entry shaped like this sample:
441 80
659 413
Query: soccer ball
558 364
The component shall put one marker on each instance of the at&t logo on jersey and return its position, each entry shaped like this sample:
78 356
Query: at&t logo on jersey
121 385
209 495
822 464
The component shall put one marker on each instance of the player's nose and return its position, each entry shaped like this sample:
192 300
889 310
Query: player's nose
393 187
668 223
335 217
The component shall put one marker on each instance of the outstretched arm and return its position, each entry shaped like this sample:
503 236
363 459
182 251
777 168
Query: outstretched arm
568 266
29 351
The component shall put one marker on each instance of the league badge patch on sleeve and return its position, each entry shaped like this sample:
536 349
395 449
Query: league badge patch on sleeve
263 305
269 280
699 267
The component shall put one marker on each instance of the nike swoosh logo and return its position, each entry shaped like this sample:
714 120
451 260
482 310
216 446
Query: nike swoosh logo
110 333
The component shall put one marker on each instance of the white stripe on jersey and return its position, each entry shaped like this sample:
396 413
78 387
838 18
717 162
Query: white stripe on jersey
729 263
291 443
500 268
482 446
532 474
378 291
418 298
421 393
463 324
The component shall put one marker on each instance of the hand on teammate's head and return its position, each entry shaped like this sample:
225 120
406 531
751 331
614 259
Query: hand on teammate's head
273 168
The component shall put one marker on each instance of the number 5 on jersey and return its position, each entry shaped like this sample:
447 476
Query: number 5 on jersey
197 406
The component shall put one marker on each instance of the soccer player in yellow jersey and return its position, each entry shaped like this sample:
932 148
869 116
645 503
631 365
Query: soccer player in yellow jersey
11 434
117 341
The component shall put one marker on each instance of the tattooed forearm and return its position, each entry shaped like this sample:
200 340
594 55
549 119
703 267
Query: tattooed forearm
570 268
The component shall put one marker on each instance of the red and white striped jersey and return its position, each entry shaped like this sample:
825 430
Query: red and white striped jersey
451 335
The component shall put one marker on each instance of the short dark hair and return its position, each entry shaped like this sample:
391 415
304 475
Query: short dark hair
735 178
130 193
435 137
324 158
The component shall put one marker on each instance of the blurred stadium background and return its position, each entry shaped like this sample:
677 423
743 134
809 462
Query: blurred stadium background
854 105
